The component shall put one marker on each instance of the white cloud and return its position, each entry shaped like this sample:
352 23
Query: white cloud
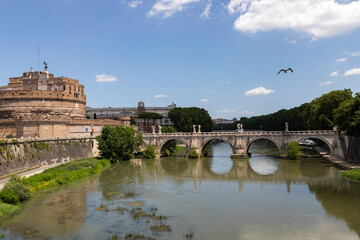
168 7
290 41
238 6
222 82
206 13
105 78
161 96
204 100
246 112
326 83
341 60
353 54
354 71
258 91
135 3
318 18
334 74
210 91
225 111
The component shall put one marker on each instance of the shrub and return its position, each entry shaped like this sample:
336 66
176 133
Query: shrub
65 173
8 196
149 152
353 173
193 153
293 150
118 143
20 189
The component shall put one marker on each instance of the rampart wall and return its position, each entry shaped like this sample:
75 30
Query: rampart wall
19 155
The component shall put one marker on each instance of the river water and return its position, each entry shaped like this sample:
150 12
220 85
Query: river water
211 198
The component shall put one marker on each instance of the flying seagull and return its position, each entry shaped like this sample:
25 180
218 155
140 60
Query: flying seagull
285 71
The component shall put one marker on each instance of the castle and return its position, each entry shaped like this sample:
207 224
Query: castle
37 104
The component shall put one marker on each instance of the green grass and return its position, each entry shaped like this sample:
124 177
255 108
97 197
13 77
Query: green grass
353 174
6 209
66 173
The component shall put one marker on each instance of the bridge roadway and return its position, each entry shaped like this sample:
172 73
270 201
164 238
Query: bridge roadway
240 140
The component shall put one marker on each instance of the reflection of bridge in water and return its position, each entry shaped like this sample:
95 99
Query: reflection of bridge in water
288 172
340 197
240 141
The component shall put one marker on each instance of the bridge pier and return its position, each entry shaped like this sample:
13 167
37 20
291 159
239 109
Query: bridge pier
239 153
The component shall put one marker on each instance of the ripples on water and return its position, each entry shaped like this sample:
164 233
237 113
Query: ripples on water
214 198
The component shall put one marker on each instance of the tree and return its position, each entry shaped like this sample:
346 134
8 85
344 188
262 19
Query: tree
149 115
185 118
95 117
347 116
293 150
322 109
118 143
318 114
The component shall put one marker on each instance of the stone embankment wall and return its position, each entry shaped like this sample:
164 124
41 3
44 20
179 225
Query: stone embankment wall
351 147
18 155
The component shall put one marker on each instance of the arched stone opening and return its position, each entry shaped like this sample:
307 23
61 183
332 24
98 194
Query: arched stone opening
204 147
165 145
266 148
321 145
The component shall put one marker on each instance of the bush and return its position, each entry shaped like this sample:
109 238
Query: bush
293 150
20 189
8 196
6 209
118 143
353 173
149 152
193 153
65 173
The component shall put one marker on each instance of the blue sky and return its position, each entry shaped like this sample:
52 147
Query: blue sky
223 56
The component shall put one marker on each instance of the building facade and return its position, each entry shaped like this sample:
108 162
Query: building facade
133 112
37 104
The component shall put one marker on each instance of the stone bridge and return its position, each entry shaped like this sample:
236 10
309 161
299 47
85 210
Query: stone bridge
240 140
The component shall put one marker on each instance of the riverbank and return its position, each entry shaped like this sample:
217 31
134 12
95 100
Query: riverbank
341 163
60 175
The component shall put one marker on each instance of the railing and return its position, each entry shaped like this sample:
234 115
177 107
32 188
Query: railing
246 133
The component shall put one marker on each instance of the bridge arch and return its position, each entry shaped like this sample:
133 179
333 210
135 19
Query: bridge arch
324 140
206 141
277 144
164 144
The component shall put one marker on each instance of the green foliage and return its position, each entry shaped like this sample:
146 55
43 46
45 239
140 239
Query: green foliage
6 209
193 153
353 174
185 118
149 152
168 129
65 173
293 150
118 143
150 115
8 196
20 189
318 114
347 116
322 108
